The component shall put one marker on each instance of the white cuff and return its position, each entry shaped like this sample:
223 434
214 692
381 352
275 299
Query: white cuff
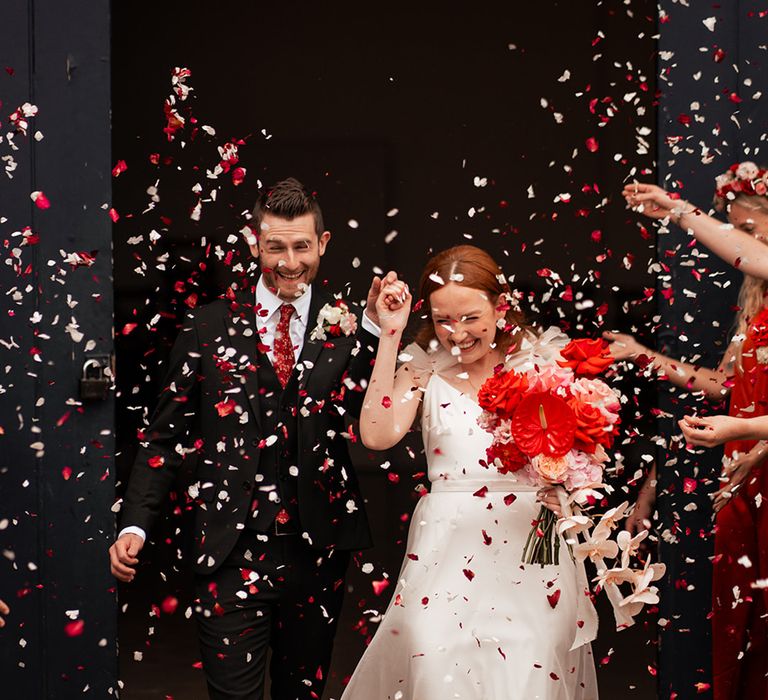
370 326
133 530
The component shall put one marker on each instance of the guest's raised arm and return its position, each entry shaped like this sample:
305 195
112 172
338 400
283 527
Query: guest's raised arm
742 190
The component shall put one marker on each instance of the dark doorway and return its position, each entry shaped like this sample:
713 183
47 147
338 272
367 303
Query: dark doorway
420 126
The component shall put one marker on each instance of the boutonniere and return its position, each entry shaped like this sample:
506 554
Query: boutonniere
335 320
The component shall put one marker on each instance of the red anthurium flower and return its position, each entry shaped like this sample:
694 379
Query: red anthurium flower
544 424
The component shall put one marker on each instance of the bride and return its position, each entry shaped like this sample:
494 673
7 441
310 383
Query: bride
467 619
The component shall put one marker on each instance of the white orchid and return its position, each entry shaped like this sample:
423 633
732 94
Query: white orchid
574 525
629 545
610 520
615 576
643 594
596 548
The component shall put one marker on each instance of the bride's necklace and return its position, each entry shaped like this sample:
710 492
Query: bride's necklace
465 376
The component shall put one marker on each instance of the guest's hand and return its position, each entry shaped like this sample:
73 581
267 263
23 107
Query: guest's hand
736 471
640 517
624 346
4 610
710 430
373 294
393 307
123 556
653 201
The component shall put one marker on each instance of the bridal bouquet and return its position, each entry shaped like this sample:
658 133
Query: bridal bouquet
552 424
553 421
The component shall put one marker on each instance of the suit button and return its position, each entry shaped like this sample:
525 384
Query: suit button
247 486
255 442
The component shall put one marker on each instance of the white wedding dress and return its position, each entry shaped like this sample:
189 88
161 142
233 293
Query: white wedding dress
467 619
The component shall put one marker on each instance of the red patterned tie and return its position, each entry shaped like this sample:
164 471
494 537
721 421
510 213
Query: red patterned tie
283 347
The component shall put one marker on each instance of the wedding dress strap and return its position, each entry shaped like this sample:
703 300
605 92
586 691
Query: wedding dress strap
473 485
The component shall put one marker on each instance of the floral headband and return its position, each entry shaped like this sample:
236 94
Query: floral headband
741 178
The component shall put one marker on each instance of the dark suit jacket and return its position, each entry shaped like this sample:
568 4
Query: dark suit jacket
209 404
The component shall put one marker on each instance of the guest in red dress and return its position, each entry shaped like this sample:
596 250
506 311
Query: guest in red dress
740 566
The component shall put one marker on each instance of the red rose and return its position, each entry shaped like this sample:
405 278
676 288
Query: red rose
592 427
511 458
501 393
585 357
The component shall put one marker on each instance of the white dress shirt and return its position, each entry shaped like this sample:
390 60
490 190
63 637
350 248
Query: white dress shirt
267 316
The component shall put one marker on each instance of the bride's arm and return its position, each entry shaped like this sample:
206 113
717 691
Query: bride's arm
736 247
392 398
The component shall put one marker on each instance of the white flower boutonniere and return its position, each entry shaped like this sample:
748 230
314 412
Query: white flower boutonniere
335 320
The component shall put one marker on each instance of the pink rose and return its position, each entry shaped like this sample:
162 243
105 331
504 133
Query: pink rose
598 393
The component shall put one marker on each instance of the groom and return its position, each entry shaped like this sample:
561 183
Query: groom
258 387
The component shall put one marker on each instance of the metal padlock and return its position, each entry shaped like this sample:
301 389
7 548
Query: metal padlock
95 383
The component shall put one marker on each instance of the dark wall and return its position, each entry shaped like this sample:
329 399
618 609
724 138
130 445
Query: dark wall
471 122
56 452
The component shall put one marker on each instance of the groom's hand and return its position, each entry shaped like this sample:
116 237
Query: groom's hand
123 556
377 285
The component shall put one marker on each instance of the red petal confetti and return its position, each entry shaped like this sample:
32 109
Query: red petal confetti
592 145
238 175
380 586
224 408
40 200
480 493
386 402
156 462
74 629
169 605
554 598
469 573
120 167
66 473
509 499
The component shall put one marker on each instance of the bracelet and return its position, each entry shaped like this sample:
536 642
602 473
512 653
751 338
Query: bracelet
679 211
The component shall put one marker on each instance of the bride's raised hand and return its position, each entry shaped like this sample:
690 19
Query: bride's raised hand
653 201
394 307
624 346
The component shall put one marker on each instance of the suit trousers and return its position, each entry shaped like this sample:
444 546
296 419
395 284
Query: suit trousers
277 593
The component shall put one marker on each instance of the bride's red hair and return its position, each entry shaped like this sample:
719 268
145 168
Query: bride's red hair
469 266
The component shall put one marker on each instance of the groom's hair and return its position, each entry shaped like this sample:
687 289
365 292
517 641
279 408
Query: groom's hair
287 199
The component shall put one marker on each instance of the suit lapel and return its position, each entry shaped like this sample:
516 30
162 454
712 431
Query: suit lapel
238 323
312 348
